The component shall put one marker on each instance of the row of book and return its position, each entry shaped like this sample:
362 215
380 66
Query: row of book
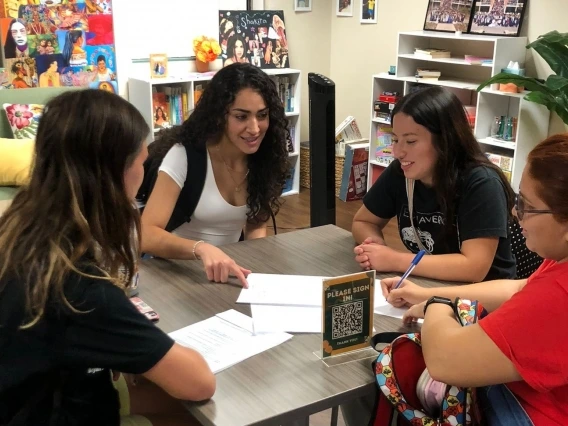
435 53
427 74
170 105
285 91
504 162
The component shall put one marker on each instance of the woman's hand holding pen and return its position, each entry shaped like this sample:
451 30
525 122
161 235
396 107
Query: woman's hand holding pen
218 266
406 295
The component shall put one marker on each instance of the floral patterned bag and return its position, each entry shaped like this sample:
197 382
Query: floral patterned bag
398 369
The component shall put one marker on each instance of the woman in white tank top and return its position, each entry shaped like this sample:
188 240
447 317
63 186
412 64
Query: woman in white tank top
241 122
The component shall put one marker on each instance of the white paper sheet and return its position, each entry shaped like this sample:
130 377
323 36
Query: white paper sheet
275 289
292 319
226 339
383 307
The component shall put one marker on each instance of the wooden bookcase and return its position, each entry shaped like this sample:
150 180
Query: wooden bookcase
463 79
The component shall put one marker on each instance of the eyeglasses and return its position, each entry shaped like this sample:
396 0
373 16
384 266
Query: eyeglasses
521 210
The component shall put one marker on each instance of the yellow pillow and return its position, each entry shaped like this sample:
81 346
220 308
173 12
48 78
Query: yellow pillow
16 157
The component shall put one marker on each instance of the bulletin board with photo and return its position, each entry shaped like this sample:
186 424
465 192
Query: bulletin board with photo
448 15
498 17
485 17
58 43
256 37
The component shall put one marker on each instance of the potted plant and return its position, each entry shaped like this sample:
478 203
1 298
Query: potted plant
552 93
206 50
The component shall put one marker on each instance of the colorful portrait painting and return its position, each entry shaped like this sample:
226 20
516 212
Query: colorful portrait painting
255 37
21 73
58 43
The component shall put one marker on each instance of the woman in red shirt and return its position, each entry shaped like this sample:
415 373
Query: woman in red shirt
523 343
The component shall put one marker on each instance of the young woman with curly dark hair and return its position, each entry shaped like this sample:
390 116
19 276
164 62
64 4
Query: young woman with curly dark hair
240 127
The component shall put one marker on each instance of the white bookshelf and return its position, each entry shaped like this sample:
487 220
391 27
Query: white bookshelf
463 79
140 95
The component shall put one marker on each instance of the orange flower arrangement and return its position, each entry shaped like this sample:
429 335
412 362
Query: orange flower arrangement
206 49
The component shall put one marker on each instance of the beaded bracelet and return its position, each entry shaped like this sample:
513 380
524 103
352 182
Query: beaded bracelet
194 247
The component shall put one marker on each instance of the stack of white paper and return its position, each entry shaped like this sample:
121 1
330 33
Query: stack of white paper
293 303
226 339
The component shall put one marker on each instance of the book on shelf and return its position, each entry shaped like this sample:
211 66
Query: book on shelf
354 175
383 147
428 73
477 60
504 162
169 106
290 141
160 110
197 92
347 131
432 53
285 90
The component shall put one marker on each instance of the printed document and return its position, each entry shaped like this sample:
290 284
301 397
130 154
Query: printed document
226 339
275 289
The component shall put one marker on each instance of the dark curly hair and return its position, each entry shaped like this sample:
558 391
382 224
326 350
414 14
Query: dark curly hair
269 166
443 115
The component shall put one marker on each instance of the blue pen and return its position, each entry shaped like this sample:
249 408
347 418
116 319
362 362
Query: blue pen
413 264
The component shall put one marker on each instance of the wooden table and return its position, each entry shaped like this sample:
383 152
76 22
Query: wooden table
285 383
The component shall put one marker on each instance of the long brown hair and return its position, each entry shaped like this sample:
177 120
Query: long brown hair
443 115
75 211
548 165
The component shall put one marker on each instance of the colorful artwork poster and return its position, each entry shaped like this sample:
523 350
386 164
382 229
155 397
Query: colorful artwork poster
21 73
101 31
109 86
11 8
71 43
102 61
256 37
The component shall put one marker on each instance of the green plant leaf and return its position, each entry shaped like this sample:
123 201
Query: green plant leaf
556 82
559 104
562 113
555 55
528 83
552 37
545 99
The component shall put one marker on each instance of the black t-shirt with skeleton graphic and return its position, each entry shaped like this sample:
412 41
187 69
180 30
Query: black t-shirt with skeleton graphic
481 212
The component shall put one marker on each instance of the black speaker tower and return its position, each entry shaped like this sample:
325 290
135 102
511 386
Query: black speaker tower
322 150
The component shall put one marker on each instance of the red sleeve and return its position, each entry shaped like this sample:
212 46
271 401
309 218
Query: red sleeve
530 329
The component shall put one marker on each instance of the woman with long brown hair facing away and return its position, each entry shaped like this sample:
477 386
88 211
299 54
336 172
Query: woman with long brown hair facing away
68 248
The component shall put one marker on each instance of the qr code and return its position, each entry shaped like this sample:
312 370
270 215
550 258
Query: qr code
347 320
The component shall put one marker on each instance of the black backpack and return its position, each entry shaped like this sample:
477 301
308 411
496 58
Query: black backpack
196 173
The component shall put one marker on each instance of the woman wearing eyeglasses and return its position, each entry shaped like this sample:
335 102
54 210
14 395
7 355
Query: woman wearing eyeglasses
523 342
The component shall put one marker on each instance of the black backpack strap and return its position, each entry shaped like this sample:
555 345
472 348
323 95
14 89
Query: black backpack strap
386 337
192 187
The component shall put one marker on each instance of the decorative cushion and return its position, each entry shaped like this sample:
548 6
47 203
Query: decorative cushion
23 119
16 156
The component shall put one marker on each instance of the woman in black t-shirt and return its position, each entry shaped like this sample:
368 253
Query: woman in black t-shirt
66 258
461 201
